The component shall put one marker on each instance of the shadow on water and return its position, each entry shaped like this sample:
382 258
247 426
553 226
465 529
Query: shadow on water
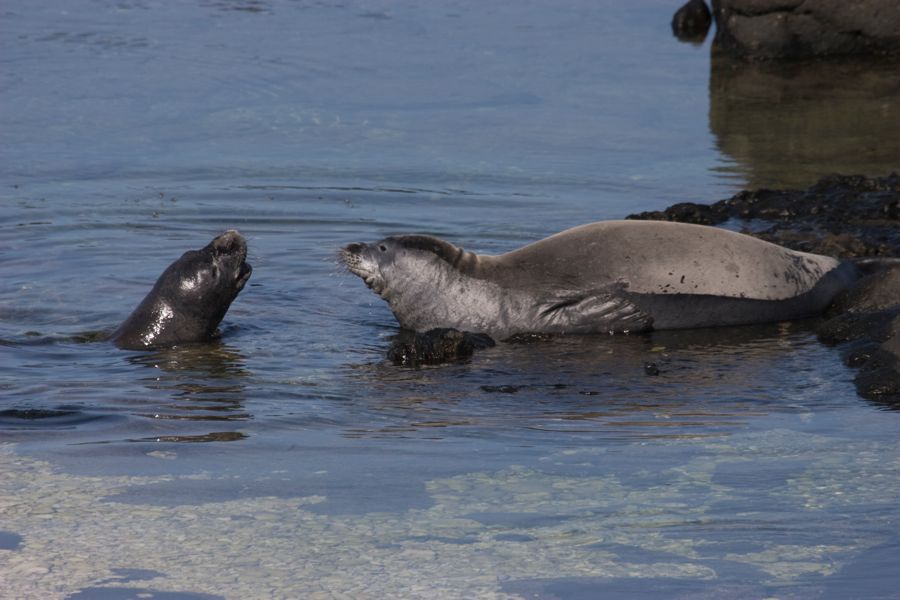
787 124
671 384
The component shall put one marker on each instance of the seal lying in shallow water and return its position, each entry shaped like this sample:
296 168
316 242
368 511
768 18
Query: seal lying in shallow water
611 276
190 298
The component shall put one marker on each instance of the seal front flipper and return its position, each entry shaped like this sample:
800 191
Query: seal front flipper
606 310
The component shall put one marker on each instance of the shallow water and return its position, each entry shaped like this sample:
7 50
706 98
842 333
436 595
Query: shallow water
289 460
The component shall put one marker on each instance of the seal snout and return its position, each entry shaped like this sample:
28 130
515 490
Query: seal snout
358 260
354 248
230 242
351 255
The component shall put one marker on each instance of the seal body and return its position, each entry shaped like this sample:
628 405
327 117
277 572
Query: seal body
610 276
190 298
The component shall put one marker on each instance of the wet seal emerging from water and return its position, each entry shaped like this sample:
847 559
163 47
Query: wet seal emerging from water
605 277
190 298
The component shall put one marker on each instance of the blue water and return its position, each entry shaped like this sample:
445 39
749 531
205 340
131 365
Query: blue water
289 459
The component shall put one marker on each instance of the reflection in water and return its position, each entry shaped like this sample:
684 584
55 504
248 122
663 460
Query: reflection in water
789 124
216 436
709 383
205 383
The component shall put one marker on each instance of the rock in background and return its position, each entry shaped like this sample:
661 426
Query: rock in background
789 29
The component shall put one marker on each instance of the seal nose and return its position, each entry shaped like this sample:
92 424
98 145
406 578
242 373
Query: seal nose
354 248
230 242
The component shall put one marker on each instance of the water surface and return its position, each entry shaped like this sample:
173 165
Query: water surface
288 459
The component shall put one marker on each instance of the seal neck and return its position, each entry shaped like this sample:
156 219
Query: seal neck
464 262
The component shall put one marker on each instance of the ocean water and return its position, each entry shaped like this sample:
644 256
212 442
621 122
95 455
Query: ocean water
289 459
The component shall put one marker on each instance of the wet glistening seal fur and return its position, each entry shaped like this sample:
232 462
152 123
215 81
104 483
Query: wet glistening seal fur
610 276
190 298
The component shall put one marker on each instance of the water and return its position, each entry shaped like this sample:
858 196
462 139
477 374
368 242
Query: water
289 460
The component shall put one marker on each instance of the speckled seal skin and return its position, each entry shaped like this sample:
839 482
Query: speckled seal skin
190 298
610 276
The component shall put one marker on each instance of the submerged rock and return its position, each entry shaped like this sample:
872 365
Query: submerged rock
789 29
877 291
434 347
865 319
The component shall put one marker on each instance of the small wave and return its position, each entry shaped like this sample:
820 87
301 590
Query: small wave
33 418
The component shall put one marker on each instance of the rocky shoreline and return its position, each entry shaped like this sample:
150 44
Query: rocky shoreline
793 29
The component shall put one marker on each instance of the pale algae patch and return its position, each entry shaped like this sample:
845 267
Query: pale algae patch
483 530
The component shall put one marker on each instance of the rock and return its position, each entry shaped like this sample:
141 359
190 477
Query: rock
501 389
866 321
879 365
879 378
875 292
691 22
790 29
851 326
839 216
435 347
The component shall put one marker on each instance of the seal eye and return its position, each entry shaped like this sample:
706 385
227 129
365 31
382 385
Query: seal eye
382 247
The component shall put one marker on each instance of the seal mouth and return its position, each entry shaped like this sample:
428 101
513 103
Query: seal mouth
232 247
243 275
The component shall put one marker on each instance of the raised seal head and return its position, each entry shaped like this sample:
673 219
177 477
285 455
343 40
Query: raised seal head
412 273
395 260
190 298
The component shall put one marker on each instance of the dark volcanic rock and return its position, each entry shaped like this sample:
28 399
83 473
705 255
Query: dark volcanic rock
876 291
788 29
867 316
435 347
691 22
841 215
879 377
879 363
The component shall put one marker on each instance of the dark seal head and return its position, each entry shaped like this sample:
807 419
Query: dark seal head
190 298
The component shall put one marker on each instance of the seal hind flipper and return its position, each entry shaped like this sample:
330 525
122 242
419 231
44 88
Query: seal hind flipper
594 310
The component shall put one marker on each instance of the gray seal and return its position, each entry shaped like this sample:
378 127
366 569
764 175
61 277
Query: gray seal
610 276
190 298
